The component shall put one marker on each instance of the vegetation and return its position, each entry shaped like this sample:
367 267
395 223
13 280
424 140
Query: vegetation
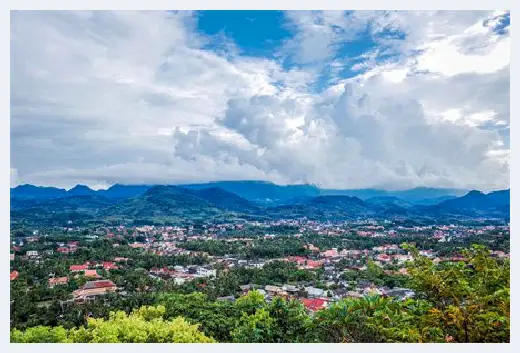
464 301
144 325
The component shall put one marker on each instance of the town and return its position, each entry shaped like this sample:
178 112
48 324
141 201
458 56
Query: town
316 263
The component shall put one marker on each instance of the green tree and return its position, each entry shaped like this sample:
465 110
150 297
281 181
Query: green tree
143 325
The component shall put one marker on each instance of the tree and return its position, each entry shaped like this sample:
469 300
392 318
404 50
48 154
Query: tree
255 328
471 298
143 325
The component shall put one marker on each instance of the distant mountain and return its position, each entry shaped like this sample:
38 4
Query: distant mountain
49 211
120 191
81 190
224 199
37 192
260 191
387 201
410 196
163 202
475 204
330 207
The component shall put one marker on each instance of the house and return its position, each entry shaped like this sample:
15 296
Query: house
373 291
273 290
120 259
403 258
107 265
57 281
206 272
383 258
63 250
11 257
94 288
14 275
330 253
245 288
312 247
178 268
91 273
340 293
48 252
290 289
229 298
255 264
261 291
314 304
400 293
311 264
32 253
427 253
78 268
136 245
313 292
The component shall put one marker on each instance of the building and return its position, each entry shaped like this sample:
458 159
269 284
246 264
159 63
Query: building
32 253
229 298
314 304
273 290
14 275
57 281
94 288
91 274
206 272
290 289
313 292
107 265
78 268
330 253
400 293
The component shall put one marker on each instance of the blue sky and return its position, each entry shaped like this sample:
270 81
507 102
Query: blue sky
256 33
341 99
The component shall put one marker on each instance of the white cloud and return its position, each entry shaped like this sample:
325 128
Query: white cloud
99 98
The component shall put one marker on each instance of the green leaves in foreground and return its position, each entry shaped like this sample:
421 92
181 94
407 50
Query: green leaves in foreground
144 325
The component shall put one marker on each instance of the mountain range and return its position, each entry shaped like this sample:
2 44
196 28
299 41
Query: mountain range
247 199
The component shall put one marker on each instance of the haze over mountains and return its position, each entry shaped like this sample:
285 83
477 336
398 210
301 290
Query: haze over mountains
169 203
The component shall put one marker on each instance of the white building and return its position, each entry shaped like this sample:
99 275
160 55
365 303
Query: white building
206 272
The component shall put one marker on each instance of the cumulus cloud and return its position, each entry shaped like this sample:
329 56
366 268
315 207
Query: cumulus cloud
137 97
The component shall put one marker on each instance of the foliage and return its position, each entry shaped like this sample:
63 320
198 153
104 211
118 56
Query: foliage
143 325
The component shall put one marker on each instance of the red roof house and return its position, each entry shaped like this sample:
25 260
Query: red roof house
14 275
57 281
91 273
314 264
314 304
78 268
107 265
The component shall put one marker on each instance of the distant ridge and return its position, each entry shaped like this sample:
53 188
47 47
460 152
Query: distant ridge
262 192
171 203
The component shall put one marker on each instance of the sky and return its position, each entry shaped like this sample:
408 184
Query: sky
339 99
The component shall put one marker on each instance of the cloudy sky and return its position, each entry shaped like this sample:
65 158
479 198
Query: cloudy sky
339 99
